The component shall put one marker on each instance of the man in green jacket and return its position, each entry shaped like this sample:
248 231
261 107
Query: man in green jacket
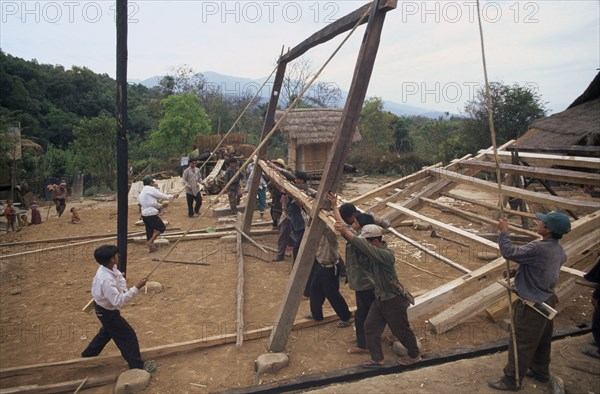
391 299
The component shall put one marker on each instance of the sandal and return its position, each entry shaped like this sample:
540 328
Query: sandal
372 364
150 366
357 350
345 323
309 317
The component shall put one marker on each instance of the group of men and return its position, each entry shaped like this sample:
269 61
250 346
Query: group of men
381 299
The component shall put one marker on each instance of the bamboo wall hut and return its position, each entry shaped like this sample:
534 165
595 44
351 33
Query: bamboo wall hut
309 133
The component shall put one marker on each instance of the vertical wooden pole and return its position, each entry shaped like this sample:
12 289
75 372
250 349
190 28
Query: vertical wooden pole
329 182
268 125
122 153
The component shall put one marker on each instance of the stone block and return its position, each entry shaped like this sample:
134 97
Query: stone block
132 381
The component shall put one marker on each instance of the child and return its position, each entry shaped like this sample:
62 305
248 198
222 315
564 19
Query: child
11 214
75 216
36 216
23 220
110 293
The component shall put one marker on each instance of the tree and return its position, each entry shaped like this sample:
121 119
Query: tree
320 95
183 120
375 124
513 107
96 147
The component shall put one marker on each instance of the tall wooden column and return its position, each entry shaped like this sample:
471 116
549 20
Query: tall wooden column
268 125
330 180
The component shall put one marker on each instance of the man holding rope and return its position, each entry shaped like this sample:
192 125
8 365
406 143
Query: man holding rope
535 279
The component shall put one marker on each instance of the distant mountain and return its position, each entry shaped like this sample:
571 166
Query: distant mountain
231 85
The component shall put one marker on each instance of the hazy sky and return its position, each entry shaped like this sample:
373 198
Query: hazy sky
429 56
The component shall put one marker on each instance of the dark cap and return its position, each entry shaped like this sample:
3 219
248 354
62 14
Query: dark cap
147 180
556 222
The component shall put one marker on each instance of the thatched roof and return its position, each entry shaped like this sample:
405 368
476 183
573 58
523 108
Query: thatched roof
577 125
29 144
312 125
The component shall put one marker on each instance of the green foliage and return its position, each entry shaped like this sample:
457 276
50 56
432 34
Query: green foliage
437 140
183 120
376 125
513 107
58 163
370 158
95 144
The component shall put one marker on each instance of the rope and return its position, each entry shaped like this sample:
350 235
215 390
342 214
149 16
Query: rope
294 103
499 179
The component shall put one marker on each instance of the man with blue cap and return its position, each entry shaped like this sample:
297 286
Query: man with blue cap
535 280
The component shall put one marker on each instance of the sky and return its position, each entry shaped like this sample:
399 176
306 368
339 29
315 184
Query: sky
429 56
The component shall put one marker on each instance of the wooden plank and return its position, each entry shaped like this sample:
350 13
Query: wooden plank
268 125
60 387
156 352
590 150
430 252
215 171
556 160
181 262
494 207
381 190
449 292
466 309
6 256
440 205
343 24
566 203
445 226
240 288
330 180
406 192
546 173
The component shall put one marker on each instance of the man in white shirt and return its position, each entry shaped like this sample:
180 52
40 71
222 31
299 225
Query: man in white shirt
110 293
151 208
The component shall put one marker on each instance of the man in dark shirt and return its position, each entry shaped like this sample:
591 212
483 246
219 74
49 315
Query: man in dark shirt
537 275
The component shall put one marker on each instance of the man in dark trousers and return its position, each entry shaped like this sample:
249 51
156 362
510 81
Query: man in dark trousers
391 298
192 179
110 293
535 279
594 277
325 283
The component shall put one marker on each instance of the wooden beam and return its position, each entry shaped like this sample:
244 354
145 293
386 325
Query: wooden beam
268 125
556 160
181 262
466 308
479 217
565 203
445 226
343 24
491 206
61 387
589 150
330 180
394 184
430 252
240 288
56 248
163 350
546 173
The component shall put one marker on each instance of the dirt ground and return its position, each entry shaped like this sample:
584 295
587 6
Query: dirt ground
42 293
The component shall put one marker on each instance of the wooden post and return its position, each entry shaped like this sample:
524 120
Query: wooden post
122 148
331 176
268 125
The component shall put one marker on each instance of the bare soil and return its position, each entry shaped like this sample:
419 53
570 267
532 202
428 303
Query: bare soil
42 293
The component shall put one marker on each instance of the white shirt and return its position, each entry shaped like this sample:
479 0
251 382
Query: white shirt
109 289
149 200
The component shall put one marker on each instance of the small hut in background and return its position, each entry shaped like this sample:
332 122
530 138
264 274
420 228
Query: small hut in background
574 131
309 133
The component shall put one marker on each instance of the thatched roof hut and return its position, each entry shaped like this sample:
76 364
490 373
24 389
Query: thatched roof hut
310 133
577 126
30 145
